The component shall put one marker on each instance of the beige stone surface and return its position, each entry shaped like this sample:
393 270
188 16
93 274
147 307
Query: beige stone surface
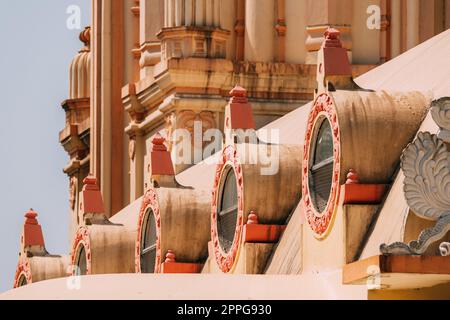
373 121
288 253
391 221
424 68
192 287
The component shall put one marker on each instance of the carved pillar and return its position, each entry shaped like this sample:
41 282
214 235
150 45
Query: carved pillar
240 30
281 29
385 32
136 150
322 14
396 27
151 22
432 18
107 122
136 51
179 41
260 33
412 22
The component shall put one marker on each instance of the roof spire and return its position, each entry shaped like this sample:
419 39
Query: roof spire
333 67
161 166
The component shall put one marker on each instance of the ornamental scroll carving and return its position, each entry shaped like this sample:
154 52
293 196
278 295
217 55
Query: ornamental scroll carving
426 166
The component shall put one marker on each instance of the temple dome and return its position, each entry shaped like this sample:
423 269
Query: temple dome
79 83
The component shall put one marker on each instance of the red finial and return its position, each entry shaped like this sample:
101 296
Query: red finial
32 231
352 177
170 256
240 114
332 38
252 218
332 33
31 215
158 143
90 182
238 91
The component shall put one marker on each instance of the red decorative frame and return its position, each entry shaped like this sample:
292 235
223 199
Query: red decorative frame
150 201
82 238
321 223
23 269
226 261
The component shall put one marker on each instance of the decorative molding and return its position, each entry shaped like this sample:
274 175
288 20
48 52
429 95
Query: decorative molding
227 261
73 192
420 246
149 201
82 238
321 223
427 176
440 110
132 148
426 167
23 269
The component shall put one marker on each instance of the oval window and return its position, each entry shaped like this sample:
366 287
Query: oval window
227 210
148 243
321 166
81 261
22 281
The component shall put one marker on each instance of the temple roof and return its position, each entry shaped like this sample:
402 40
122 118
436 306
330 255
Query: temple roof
423 68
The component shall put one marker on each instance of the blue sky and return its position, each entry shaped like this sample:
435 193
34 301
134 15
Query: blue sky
35 54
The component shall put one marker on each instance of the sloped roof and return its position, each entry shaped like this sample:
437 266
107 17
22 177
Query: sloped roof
424 68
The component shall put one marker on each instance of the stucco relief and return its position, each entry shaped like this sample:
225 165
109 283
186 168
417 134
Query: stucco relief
440 110
82 238
227 260
150 201
23 269
426 166
321 223
72 192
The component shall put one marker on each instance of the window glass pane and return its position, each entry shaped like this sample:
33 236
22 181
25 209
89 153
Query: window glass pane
229 196
148 244
324 143
227 212
321 175
22 281
82 263
150 231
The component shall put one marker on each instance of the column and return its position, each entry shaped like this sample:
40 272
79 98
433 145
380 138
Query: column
322 14
412 22
396 27
240 30
151 22
260 33
281 30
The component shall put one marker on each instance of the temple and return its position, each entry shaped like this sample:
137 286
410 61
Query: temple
296 145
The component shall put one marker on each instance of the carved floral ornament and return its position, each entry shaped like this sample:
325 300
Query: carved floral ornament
426 166
149 201
23 270
321 223
227 261
73 192
82 238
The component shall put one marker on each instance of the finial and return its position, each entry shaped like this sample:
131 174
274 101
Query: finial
252 218
90 183
85 36
170 256
238 95
31 215
158 143
352 177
